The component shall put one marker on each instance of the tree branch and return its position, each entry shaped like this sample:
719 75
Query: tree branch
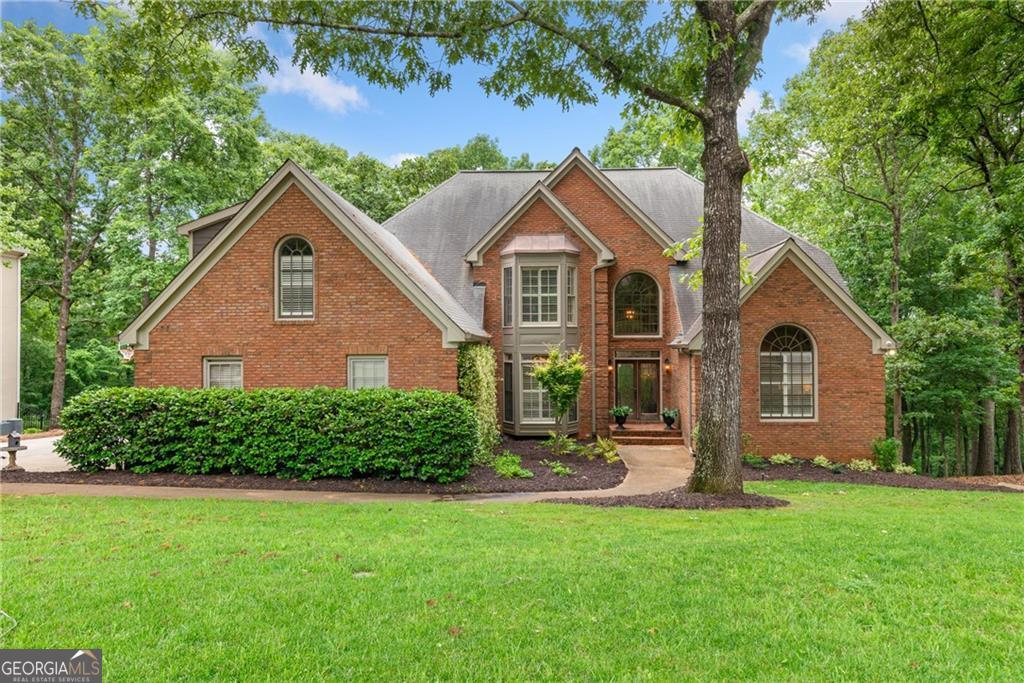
616 72
750 14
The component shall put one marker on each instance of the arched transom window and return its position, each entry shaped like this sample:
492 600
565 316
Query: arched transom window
637 306
295 279
787 374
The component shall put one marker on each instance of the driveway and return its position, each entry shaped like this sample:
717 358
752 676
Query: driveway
41 456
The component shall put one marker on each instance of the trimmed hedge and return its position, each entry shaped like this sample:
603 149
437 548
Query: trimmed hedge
293 433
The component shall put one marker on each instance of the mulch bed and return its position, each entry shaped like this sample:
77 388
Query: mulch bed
994 479
808 472
681 499
596 474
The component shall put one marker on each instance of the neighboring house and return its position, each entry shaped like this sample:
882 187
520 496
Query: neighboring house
10 339
297 287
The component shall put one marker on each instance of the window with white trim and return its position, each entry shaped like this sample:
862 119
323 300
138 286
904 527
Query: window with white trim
295 279
787 374
506 296
570 295
222 373
539 295
367 372
536 404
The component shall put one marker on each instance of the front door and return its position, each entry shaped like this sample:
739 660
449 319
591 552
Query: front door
637 386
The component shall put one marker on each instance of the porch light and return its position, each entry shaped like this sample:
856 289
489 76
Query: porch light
630 314
127 353
610 367
668 367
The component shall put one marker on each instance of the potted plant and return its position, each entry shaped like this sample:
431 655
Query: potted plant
620 413
669 416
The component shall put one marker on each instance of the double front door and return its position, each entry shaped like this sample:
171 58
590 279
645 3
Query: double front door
637 385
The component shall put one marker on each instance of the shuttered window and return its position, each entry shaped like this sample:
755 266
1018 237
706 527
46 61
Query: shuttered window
222 373
295 279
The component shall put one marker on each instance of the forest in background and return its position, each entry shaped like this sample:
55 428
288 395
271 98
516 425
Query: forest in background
916 191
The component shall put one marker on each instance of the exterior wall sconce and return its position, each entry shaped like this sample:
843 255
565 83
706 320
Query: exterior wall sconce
668 367
127 353
611 367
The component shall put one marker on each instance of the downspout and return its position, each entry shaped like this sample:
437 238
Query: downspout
593 344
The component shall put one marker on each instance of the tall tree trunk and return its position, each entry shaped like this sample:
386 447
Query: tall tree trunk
945 455
1011 447
1013 461
987 449
972 466
60 355
909 444
958 446
894 316
717 468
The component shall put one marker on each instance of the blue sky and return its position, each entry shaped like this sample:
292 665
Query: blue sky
344 109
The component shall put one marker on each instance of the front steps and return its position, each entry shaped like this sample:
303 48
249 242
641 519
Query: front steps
653 436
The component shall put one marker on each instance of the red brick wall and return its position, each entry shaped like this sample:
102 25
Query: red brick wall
635 250
230 312
851 379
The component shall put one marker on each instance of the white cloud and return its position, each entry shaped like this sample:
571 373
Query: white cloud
801 52
748 105
323 91
398 157
838 11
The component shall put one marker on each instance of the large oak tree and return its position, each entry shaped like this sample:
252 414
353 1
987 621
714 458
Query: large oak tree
697 58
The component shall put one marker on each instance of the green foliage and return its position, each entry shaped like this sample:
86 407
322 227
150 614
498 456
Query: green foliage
755 461
558 468
603 448
477 384
862 466
658 138
782 459
900 468
561 375
560 444
509 465
671 413
887 453
693 249
294 433
621 411
821 461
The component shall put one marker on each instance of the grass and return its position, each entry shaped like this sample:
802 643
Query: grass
848 583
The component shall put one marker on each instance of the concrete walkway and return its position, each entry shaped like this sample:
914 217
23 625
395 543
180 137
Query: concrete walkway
651 469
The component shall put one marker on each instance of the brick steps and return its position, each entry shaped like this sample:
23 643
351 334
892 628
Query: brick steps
648 437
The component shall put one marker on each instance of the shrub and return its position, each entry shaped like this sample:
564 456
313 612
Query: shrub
509 466
560 375
755 461
560 444
558 468
900 468
821 461
607 449
887 453
477 384
862 466
295 433
782 459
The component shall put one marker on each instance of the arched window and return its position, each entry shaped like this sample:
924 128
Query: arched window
787 373
295 279
637 306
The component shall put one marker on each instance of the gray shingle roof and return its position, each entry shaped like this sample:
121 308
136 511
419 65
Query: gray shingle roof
407 261
444 224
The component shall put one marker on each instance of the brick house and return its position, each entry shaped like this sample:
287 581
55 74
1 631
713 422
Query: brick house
297 287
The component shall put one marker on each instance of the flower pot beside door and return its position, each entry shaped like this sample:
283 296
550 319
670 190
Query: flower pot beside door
620 413
669 417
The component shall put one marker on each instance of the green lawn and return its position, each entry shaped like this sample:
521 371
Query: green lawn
849 583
